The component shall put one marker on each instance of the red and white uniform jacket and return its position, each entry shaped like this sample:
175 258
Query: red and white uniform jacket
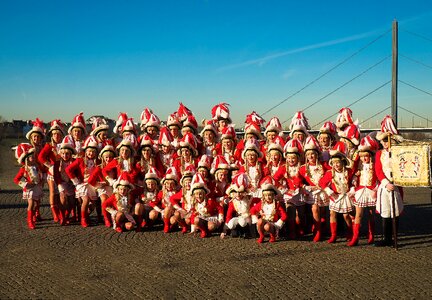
162 200
28 176
81 169
292 176
337 182
271 212
49 155
115 167
254 172
312 174
229 155
239 207
366 176
207 208
179 200
167 160
120 204
180 168
271 170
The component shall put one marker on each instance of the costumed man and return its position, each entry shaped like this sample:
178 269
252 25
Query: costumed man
389 196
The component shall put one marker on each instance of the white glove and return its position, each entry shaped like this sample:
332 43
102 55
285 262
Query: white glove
279 224
75 181
221 218
110 180
22 184
254 219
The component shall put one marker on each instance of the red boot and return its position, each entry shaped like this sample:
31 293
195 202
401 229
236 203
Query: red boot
204 231
107 218
84 219
272 238
30 222
355 238
317 232
118 228
333 229
61 217
55 213
166 225
371 229
261 236
138 223
183 225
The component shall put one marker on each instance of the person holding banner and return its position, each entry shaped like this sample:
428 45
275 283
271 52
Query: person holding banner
389 197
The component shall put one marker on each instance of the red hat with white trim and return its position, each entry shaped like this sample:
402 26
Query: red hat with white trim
344 118
65 145
229 133
98 124
146 141
170 174
339 152
173 120
267 184
198 183
191 123
251 145
128 126
241 183
107 148
152 173
253 117
125 180
221 112
145 116
368 144
90 142
38 127
188 172
78 122
328 128
388 128
277 144
122 117
188 141
183 112
153 121
351 133
274 125
209 125
311 143
130 142
293 146
219 163
165 137
253 128
22 151
57 125
299 122
205 162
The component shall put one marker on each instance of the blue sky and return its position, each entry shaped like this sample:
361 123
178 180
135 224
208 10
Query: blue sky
58 58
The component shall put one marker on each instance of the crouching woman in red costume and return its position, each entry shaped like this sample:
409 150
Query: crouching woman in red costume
337 183
29 177
268 214
207 214
120 204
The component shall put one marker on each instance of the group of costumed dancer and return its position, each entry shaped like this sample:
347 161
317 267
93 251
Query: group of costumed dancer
264 184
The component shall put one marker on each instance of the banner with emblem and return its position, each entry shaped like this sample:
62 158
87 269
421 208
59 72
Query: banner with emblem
411 165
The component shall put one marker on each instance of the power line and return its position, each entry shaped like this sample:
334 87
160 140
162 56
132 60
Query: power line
424 118
356 101
376 114
416 61
418 35
326 73
346 83
414 87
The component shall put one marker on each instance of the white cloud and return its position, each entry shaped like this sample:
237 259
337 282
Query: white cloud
288 73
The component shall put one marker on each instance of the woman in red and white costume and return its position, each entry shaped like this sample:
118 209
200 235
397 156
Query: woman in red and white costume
183 202
312 172
79 172
326 139
221 115
167 151
386 188
220 170
163 205
207 214
227 145
174 126
299 127
273 134
275 163
49 154
98 181
252 131
269 214
151 129
120 204
294 196
36 137
187 153
253 167
148 158
64 184
238 220
149 198
210 138
29 178
100 132
351 138
366 188
337 183
77 134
